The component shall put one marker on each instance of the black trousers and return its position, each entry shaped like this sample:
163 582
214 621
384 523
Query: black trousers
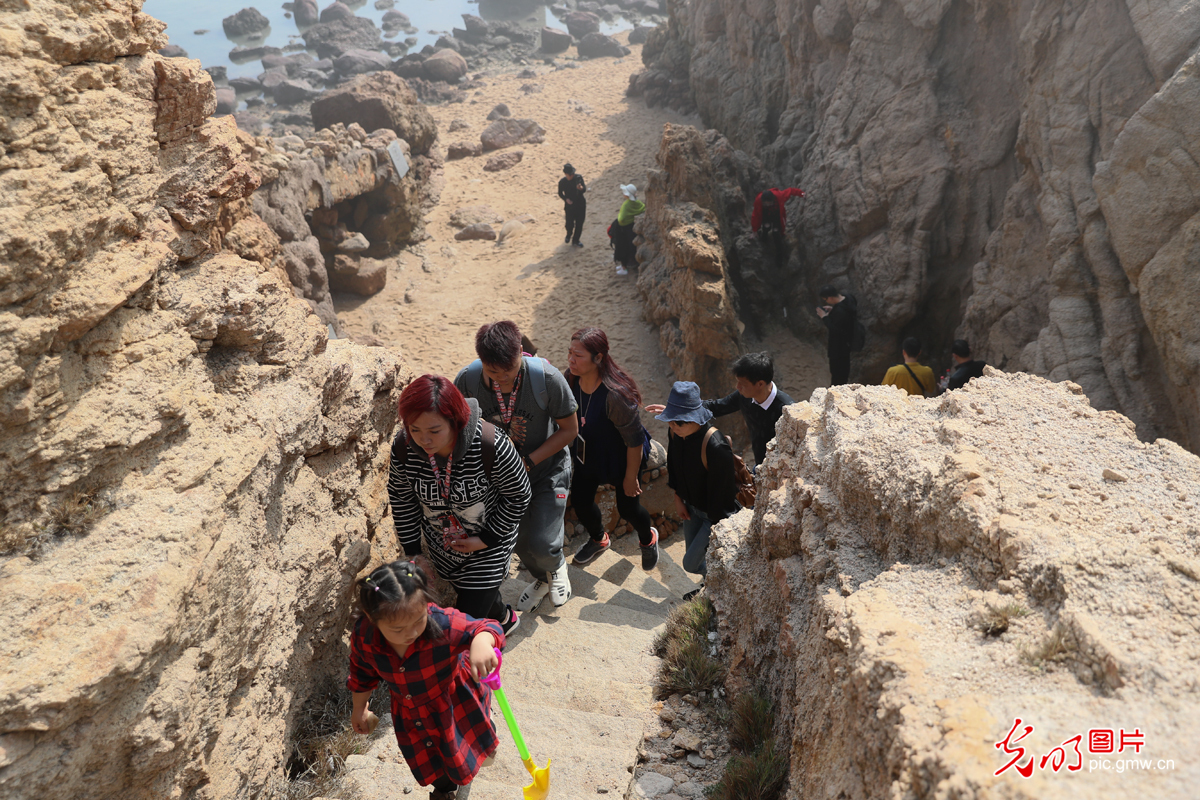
839 368
575 214
772 237
482 603
583 500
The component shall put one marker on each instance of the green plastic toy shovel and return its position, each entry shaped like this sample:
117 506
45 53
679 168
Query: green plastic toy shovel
540 788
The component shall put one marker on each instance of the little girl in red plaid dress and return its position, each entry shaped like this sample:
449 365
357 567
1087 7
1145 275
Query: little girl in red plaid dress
431 659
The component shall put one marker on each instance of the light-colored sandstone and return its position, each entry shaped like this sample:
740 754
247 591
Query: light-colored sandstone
888 529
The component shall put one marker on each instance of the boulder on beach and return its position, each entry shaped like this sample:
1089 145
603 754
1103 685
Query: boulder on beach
471 215
581 23
294 91
336 10
357 62
362 276
555 41
226 101
503 161
247 22
479 230
331 39
508 131
499 111
305 12
395 20
640 33
445 65
244 84
378 100
173 51
597 45
463 150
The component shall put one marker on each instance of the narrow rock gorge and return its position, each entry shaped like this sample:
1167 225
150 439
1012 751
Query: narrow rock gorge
193 471
1019 174
916 575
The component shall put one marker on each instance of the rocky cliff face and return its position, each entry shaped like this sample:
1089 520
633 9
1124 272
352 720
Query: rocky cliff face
917 574
193 475
1022 175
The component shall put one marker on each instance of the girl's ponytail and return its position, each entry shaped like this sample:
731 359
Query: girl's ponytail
391 589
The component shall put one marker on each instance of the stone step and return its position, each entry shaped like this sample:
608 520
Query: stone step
586 752
669 572
594 600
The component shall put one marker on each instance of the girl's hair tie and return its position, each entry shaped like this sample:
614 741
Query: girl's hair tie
372 584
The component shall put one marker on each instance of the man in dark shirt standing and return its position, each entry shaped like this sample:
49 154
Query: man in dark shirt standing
756 396
571 189
964 367
839 312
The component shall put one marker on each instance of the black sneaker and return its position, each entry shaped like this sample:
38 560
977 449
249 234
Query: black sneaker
650 552
693 593
513 622
591 549
577 244
567 240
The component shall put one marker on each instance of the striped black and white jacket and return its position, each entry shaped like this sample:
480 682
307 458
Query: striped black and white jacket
489 509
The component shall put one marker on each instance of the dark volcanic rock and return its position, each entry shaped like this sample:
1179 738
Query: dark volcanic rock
173 51
499 111
243 84
331 39
638 35
463 150
581 23
356 62
246 22
378 100
395 20
226 100
555 41
291 64
294 91
240 55
336 10
305 12
597 45
445 65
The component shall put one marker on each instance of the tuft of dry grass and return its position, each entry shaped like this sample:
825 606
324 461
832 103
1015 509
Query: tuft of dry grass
687 666
77 513
998 618
752 721
322 742
758 775
1055 647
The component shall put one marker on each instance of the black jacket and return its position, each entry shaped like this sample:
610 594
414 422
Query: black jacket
760 421
572 188
840 322
712 490
964 372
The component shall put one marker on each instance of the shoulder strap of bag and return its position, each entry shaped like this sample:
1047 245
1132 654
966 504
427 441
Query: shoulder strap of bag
537 378
704 447
487 438
473 373
924 391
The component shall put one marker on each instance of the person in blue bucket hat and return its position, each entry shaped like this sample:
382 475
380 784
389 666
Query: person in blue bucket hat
699 470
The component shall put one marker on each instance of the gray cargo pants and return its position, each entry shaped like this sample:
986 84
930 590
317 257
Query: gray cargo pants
540 534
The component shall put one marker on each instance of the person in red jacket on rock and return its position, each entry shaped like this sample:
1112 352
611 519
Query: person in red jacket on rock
769 219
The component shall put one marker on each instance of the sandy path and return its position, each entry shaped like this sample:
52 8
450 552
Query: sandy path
440 291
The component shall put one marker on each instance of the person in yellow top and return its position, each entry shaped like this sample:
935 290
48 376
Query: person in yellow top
912 376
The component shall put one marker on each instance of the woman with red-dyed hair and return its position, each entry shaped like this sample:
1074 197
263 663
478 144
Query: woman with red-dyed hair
461 488
612 444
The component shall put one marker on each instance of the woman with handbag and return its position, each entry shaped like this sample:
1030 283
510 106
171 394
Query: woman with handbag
700 469
612 445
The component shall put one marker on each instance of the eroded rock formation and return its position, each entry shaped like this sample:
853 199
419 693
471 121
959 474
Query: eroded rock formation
1021 176
916 574
193 474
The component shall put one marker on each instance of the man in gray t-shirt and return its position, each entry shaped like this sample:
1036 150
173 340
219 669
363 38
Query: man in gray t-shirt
527 398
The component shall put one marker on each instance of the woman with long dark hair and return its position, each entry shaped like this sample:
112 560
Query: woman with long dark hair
462 488
612 444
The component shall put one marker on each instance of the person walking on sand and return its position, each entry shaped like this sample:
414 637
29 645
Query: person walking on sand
571 189
461 488
621 233
912 376
527 398
431 659
612 445
700 471
839 312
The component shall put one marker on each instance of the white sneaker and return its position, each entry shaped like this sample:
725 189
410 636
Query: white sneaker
533 595
560 586
621 270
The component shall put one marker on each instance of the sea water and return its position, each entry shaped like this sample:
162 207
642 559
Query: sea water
432 18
